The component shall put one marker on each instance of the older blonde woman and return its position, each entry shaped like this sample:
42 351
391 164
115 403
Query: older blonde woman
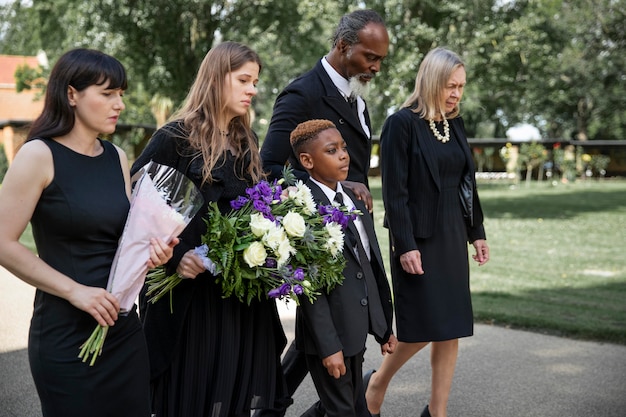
432 212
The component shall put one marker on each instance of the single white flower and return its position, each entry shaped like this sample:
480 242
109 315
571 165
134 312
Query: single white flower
334 243
294 224
259 225
309 203
303 197
274 236
255 254
284 252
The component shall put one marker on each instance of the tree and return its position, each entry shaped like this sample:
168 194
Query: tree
557 64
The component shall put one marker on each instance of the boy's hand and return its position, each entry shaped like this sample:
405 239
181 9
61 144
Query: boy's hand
390 346
335 365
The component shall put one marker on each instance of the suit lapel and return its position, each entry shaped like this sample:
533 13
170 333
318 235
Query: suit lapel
427 146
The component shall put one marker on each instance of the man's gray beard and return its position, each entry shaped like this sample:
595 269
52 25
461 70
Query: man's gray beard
358 88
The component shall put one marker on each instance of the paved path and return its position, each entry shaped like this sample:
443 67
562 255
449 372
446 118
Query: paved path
500 372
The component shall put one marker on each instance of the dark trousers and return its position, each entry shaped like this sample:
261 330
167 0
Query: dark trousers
342 397
295 369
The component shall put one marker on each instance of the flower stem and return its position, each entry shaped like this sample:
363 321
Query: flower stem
93 345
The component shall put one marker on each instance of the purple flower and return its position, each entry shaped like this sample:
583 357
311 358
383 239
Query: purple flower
285 289
324 210
274 293
266 192
278 190
297 289
335 215
260 206
298 274
261 191
239 202
271 263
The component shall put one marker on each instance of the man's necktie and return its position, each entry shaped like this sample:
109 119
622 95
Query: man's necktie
378 322
354 105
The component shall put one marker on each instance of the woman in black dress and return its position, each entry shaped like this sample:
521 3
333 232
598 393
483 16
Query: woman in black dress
432 210
74 188
212 356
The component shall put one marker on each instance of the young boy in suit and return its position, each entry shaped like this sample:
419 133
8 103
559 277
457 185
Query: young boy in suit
332 331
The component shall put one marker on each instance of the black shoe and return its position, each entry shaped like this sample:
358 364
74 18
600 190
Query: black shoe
366 381
425 413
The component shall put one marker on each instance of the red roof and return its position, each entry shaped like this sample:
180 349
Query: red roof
9 63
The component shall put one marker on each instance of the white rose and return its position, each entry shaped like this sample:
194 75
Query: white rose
259 224
255 254
294 224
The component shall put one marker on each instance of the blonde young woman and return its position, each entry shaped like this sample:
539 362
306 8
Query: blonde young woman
432 212
212 356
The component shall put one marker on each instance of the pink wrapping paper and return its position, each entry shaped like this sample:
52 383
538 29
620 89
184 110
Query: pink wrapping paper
154 213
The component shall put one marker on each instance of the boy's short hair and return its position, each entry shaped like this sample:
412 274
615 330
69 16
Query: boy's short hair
306 131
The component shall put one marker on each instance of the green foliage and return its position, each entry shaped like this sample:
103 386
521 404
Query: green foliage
27 78
599 163
557 64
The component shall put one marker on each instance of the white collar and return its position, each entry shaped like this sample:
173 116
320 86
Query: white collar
330 193
340 82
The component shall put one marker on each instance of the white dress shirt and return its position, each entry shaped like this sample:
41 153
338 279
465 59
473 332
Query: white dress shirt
344 88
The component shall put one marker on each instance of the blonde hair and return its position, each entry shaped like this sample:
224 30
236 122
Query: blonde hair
305 132
203 111
432 77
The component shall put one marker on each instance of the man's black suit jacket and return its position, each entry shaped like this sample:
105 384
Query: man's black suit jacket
338 321
314 96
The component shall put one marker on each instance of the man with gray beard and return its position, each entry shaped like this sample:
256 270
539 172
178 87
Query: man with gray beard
334 90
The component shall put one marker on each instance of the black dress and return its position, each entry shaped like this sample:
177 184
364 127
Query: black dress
211 356
76 226
436 306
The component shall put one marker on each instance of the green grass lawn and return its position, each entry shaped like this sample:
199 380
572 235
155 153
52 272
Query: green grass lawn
557 258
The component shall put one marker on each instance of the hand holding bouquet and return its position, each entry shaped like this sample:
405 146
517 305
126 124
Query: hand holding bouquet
162 204
274 243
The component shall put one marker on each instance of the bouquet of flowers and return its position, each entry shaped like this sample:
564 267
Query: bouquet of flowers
162 204
274 243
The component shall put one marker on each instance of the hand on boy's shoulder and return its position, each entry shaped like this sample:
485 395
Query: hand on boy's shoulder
361 192
335 365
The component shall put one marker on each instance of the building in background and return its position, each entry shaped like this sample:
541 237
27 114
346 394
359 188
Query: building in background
17 110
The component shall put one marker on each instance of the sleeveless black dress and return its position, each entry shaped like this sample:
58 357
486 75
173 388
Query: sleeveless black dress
76 226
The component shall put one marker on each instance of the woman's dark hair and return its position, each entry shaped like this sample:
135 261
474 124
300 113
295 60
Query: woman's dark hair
79 68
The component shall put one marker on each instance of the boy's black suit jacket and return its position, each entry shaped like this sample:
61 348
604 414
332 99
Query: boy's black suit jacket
338 321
